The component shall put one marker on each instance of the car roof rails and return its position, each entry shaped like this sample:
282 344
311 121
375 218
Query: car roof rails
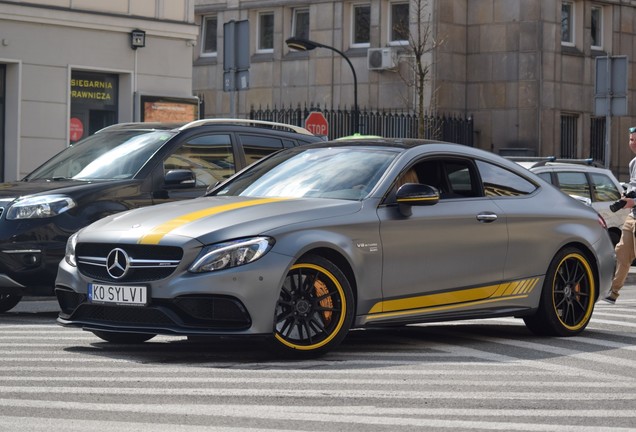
141 126
246 122
548 160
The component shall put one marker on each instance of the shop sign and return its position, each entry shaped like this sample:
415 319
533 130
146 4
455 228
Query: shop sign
94 88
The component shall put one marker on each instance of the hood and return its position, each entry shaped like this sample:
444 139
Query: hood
211 219
12 190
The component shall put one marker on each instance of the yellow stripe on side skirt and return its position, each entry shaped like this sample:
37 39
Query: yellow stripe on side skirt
453 299
157 233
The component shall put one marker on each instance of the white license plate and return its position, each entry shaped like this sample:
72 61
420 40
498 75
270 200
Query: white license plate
118 294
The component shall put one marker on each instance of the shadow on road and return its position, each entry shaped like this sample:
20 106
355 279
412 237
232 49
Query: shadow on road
419 343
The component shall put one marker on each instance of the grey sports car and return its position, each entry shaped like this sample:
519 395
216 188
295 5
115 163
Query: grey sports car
311 242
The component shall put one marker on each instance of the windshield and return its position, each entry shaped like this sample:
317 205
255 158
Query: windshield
103 156
343 173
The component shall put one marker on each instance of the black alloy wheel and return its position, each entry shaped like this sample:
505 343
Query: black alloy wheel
568 296
315 308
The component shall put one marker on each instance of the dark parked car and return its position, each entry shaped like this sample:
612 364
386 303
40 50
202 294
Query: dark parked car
312 241
121 167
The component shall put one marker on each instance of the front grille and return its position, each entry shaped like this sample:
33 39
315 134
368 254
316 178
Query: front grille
213 308
146 262
195 312
121 314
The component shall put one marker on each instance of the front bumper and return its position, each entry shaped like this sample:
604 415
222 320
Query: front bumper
29 269
237 301
184 315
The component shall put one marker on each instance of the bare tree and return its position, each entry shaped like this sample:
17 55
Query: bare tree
418 33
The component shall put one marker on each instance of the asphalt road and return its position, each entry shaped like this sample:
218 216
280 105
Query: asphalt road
459 376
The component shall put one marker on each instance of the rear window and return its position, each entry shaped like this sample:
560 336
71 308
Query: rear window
604 188
500 182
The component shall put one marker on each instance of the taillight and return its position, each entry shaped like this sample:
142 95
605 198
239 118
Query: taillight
602 222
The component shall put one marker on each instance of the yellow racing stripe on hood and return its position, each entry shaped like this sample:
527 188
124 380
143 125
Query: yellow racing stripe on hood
155 235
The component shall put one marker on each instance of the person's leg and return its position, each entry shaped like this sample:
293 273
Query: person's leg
625 254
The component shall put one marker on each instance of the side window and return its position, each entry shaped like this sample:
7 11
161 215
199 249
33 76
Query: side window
604 188
257 147
398 23
360 25
300 23
208 36
454 178
499 182
265 32
567 23
210 157
546 176
461 181
574 183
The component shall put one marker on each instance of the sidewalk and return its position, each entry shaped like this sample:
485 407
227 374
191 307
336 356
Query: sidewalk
631 277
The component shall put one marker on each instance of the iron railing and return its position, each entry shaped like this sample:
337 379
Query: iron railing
383 123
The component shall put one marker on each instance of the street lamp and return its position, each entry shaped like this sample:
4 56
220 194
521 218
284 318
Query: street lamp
301 44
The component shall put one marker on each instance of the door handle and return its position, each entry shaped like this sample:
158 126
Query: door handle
486 217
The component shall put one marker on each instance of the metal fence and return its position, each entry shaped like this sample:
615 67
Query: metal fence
383 123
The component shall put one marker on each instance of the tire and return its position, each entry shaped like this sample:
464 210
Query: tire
315 309
123 338
614 237
8 301
567 298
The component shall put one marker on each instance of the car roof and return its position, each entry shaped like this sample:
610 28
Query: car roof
400 143
531 162
179 126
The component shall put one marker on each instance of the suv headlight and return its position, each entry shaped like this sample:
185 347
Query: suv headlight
36 207
231 254
69 255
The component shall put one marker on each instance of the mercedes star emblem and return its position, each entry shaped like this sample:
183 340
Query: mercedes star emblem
117 263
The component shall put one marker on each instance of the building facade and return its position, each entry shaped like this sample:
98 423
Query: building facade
71 67
524 70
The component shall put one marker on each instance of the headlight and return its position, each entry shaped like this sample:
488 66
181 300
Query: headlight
69 255
231 254
35 207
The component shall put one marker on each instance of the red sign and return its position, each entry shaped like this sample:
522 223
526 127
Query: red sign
76 129
316 123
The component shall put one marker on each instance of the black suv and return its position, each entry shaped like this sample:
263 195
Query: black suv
119 168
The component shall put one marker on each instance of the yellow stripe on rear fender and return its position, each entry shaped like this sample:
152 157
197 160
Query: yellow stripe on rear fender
155 235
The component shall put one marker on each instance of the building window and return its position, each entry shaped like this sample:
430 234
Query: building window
265 32
399 22
569 136
597 139
300 23
597 27
567 23
361 25
208 36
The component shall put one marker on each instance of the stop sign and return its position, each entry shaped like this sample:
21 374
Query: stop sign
316 123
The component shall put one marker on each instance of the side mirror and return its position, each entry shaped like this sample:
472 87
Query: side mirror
415 194
179 179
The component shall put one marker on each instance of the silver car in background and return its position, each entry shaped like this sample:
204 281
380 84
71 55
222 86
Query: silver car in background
584 180
314 241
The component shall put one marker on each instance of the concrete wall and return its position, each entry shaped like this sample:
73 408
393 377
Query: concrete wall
42 45
286 77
